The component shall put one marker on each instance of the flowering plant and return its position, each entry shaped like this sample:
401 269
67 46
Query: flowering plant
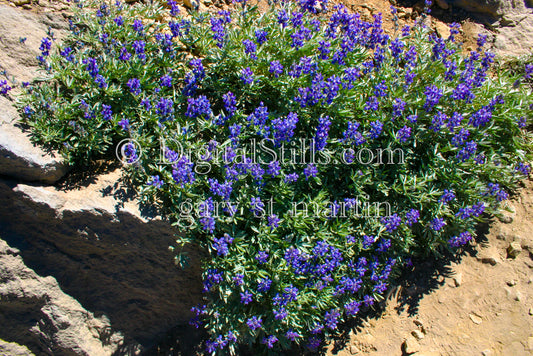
311 157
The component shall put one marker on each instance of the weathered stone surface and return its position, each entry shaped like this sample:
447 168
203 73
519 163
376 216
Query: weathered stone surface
50 320
19 158
13 349
493 8
105 252
22 160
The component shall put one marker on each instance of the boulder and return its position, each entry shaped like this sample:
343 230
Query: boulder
40 314
20 37
111 256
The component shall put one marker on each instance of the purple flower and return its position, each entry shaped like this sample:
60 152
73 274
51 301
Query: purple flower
135 86
322 132
462 239
250 48
391 222
165 109
247 76
292 335
138 26
274 168
403 134
107 112
412 217
283 128
331 319
310 171
261 257
119 21
4 87
352 308
273 221
230 103
270 341
238 279
198 107
437 224
433 95
155 181
291 178
447 196
372 104
166 81
276 68
254 322
246 298
375 129
124 124
264 285
368 240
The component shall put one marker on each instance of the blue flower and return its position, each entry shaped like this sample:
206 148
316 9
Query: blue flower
270 341
375 129
165 109
264 285
107 112
156 182
276 68
447 196
437 224
273 221
391 222
331 319
250 48
261 257
198 107
254 322
124 124
247 76
462 239
433 95
246 298
292 335
135 86
166 81
403 134
412 217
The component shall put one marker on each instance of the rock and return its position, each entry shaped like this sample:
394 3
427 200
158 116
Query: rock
486 353
514 249
516 38
13 349
22 160
518 296
489 256
458 279
108 254
530 311
475 319
410 345
419 335
511 283
442 29
490 8
354 350
19 158
442 4
21 2
59 322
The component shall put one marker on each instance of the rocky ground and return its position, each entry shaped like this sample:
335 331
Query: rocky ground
83 270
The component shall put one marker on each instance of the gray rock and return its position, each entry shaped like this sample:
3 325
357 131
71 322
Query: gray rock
22 160
492 8
106 252
13 349
59 324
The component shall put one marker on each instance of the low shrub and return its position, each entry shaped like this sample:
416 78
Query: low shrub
312 157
